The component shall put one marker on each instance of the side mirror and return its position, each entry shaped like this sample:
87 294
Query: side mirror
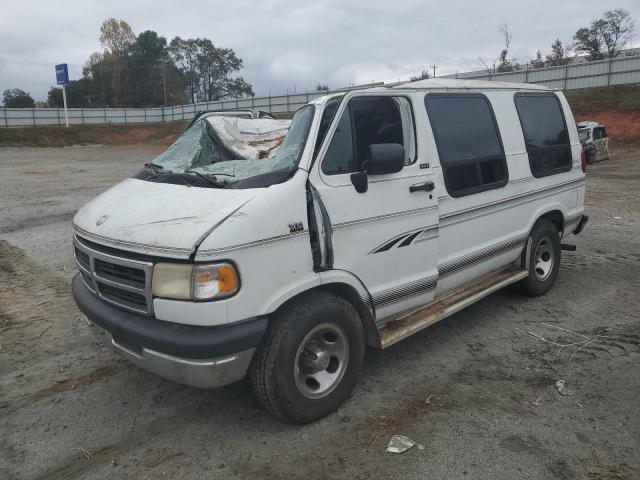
360 181
384 158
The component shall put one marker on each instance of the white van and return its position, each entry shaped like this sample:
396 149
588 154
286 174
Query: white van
382 212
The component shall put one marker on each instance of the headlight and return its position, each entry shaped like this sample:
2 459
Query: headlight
194 282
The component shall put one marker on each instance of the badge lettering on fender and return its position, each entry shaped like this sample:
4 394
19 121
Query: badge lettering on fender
296 227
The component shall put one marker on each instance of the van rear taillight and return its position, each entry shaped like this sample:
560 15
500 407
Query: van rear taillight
583 160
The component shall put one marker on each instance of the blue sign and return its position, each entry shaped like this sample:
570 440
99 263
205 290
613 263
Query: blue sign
62 74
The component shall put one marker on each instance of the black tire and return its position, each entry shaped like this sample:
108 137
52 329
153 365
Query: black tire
545 239
275 372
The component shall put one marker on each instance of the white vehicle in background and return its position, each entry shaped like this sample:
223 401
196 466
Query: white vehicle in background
381 212
595 141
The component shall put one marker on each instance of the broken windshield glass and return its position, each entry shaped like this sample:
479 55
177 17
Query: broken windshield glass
236 149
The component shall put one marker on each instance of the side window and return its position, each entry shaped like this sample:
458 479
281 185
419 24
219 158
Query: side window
327 117
339 157
366 121
468 142
545 133
603 133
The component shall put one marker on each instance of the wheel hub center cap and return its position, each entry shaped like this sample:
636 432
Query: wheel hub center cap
317 358
323 361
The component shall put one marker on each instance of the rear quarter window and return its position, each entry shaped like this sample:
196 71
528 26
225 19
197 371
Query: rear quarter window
545 133
468 142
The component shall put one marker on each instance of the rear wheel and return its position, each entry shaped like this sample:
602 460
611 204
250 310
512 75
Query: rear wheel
544 259
310 359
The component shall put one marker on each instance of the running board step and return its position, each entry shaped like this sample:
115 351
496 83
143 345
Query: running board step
451 303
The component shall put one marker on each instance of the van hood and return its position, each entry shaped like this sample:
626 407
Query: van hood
156 218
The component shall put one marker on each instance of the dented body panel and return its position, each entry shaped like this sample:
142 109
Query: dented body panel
157 219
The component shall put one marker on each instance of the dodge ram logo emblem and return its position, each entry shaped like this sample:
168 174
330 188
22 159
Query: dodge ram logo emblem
102 219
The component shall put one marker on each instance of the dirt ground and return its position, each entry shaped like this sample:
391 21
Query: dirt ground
476 391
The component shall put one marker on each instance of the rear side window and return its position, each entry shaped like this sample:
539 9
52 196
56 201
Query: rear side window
545 133
468 142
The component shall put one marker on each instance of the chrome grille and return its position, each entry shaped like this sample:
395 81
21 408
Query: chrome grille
120 281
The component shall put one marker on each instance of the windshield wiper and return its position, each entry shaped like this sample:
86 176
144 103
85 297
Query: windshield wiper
156 168
211 180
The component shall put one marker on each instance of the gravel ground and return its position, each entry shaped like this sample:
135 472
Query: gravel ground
476 391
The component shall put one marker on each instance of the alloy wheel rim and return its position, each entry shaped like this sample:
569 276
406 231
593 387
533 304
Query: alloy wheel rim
321 360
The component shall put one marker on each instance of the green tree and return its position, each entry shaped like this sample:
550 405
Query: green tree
78 95
538 61
424 75
208 71
606 36
216 65
145 71
131 71
16 98
185 55
152 75
587 40
558 55
322 87
616 31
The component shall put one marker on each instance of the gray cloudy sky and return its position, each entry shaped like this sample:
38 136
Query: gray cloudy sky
287 44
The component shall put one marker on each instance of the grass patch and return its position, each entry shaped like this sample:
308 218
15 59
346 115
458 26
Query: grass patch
622 98
59 136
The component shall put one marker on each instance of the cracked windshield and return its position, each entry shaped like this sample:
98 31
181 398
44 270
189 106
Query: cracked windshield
237 148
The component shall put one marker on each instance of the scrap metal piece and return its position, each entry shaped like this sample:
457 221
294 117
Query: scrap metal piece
400 444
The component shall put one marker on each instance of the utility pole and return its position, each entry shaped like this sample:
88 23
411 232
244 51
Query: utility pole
434 70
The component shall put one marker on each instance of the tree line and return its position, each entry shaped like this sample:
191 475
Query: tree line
145 70
603 38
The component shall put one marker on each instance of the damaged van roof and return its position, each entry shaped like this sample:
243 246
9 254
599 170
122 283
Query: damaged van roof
249 138
459 84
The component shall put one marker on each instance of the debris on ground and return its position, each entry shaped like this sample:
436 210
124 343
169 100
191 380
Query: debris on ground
400 444
562 389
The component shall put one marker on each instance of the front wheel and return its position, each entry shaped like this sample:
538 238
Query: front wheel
544 259
310 359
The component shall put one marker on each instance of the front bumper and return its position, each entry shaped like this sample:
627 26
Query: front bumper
203 357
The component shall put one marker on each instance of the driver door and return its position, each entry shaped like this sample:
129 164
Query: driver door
387 235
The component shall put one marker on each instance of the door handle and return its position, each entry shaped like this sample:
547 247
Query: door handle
426 186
